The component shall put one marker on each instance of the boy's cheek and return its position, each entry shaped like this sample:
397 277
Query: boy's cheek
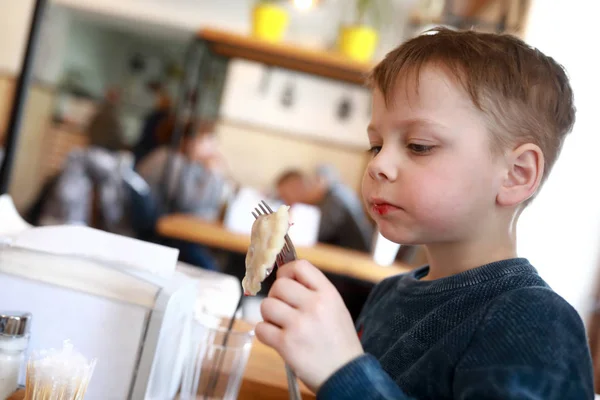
366 187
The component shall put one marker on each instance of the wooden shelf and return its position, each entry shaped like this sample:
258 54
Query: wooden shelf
315 62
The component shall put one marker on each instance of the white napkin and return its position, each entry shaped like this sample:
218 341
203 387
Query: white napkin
305 229
238 217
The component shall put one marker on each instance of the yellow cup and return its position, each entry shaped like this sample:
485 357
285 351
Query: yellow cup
269 22
358 42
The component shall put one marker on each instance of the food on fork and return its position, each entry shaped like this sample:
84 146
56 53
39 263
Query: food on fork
266 242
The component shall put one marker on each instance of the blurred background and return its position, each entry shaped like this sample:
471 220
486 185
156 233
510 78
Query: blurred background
110 90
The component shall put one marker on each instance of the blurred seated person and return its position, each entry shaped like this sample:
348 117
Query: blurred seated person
89 190
196 185
198 176
344 222
149 139
105 129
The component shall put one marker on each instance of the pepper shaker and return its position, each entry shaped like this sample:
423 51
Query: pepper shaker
14 339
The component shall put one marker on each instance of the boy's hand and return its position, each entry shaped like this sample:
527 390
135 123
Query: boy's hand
306 321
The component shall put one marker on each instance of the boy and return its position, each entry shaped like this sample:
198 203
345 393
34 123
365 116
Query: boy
465 129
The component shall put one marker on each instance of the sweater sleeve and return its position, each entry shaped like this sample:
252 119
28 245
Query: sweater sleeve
531 345
363 378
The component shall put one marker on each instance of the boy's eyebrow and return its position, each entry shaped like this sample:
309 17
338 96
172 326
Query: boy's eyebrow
408 125
419 123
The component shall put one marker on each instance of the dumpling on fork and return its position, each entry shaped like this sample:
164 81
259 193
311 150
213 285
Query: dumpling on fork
266 242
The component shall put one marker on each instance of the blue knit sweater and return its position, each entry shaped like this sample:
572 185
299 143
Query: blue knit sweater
494 332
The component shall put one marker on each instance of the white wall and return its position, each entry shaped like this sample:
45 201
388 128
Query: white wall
14 20
560 233
314 113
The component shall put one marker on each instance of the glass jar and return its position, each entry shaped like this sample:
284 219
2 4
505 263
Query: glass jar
14 339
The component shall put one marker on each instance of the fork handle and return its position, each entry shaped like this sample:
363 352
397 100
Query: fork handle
293 388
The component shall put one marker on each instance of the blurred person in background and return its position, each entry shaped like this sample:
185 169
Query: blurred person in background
198 173
90 190
149 139
105 129
344 222
196 184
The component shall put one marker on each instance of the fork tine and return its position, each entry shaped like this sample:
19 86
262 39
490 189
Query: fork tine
255 215
264 209
291 248
267 206
282 253
280 260
259 212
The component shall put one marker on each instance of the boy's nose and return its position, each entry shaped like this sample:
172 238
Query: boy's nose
382 168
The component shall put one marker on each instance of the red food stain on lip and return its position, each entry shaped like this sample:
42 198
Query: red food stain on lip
383 208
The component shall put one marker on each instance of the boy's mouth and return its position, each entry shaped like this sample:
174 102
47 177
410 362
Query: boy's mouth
381 208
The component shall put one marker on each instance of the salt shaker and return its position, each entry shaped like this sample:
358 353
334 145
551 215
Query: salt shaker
14 339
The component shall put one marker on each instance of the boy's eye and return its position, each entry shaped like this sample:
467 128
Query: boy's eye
419 148
374 150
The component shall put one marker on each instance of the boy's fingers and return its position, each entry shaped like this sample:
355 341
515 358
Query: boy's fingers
305 273
290 291
269 334
277 312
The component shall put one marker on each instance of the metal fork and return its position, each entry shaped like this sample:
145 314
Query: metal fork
287 254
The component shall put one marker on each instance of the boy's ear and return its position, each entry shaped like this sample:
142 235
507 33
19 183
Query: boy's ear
525 168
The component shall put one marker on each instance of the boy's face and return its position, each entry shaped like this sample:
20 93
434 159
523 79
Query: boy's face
432 178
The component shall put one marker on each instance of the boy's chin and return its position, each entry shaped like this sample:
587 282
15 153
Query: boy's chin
400 236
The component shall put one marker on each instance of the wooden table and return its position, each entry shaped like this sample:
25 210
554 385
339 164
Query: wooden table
331 259
265 378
